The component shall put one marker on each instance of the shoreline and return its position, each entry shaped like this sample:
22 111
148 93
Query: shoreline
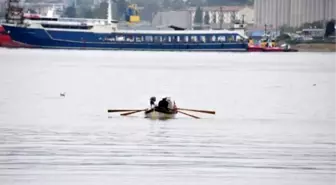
315 47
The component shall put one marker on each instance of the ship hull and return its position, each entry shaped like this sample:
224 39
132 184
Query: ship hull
63 39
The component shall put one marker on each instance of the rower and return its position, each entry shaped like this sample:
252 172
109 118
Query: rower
152 102
171 105
163 104
167 104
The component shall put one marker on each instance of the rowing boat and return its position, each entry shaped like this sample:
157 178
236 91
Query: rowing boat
159 113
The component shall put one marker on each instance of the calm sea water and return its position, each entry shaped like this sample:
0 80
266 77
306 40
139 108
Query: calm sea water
274 122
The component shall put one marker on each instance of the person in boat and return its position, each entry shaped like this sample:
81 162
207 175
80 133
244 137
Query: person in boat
152 101
273 43
166 104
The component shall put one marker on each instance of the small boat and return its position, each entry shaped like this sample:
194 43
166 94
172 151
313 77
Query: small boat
159 113
166 109
268 45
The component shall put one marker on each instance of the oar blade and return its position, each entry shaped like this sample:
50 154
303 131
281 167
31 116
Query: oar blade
201 111
189 115
121 110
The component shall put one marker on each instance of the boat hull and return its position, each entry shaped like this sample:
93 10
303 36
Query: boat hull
58 39
154 114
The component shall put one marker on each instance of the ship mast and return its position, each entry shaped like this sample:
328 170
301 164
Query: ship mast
109 12
14 13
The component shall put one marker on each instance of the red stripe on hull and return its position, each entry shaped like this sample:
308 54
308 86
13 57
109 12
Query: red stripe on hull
5 39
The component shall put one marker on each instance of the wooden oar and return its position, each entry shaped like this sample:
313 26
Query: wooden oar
188 114
122 110
201 111
133 112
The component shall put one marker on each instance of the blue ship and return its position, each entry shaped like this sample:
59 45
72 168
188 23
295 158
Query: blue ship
58 33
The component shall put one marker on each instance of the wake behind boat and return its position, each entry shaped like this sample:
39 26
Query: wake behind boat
59 34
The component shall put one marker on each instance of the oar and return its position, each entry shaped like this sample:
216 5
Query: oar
189 115
133 112
202 111
122 110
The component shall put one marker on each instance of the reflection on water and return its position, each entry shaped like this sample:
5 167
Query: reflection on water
273 126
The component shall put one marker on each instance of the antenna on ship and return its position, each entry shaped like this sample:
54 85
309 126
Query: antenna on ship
109 12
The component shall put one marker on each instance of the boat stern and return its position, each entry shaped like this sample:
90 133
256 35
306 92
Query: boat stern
155 115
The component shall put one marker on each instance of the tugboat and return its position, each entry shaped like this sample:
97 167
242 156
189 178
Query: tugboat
269 45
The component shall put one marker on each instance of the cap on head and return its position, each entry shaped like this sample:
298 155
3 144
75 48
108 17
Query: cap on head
153 99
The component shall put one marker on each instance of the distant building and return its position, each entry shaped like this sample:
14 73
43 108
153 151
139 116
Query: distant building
293 13
219 16
3 5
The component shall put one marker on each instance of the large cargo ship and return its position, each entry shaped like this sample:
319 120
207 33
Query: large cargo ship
59 33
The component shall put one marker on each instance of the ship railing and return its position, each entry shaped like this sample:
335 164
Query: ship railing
179 38
69 22
83 20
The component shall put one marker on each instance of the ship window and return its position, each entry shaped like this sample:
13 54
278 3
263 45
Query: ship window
214 38
41 18
149 38
173 39
221 38
208 38
157 38
202 38
110 38
166 38
138 39
193 39
80 27
186 38
231 38
120 38
239 38
176 38
130 38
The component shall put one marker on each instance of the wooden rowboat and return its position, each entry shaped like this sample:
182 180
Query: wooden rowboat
159 113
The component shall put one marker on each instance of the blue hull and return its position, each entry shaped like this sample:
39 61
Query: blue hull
62 39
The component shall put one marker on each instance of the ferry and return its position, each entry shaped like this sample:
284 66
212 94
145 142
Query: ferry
57 33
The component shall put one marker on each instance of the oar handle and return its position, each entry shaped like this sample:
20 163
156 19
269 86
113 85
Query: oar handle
202 111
